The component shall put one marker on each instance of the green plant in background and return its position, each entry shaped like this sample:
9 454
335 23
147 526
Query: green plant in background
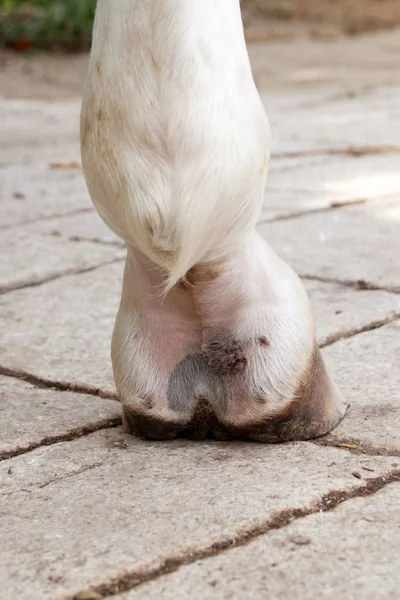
47 23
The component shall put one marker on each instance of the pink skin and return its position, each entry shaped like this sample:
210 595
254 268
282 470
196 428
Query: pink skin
236 334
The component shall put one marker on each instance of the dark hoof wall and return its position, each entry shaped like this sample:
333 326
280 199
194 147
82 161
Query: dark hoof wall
316 408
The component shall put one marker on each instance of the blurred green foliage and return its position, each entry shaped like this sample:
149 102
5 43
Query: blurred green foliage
47 23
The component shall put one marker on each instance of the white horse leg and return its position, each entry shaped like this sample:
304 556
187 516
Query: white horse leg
214 333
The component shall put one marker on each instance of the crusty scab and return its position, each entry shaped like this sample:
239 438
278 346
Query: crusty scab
225 357
315 409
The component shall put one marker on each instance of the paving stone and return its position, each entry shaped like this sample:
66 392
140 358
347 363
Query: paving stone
108 502
339 66
366 368
304 124
343 119
62 330
36 135
29 416
34 128
45 249
83 227
340 311
287 203
350 553
33 190
353 243
74 346
342 177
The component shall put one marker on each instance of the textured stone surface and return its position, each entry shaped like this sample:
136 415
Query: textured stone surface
32 190
365 118
350 553
353 243
341 67
30 416
342 177
75 345
340 311
62 330
48 248
39 130
366 368
284 203
108 502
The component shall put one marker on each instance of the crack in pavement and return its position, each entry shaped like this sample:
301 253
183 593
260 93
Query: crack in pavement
54 480
96 240
52 277
143 573
95 465
78 211
355 446
60 386
360 285
349 333
335 205
73 434
355 151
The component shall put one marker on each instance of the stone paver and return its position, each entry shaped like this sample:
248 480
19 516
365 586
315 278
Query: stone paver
107 502
366 118
366 368
76 348
342 177
30 416
46 249
350 553
39 130
354 243
284 203
339 67
31 191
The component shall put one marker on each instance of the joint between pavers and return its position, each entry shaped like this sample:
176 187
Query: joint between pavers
78 211
356 446
360 285
350 333
95 240
312 211
68 272
60 386
73 434
354 151
145 573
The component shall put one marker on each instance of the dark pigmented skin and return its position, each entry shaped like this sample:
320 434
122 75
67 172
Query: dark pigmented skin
225 357
314 411
193 378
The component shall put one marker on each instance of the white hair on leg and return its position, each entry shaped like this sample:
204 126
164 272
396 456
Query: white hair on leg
175 140
175 148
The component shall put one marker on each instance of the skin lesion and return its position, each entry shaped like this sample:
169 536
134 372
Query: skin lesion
225 357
